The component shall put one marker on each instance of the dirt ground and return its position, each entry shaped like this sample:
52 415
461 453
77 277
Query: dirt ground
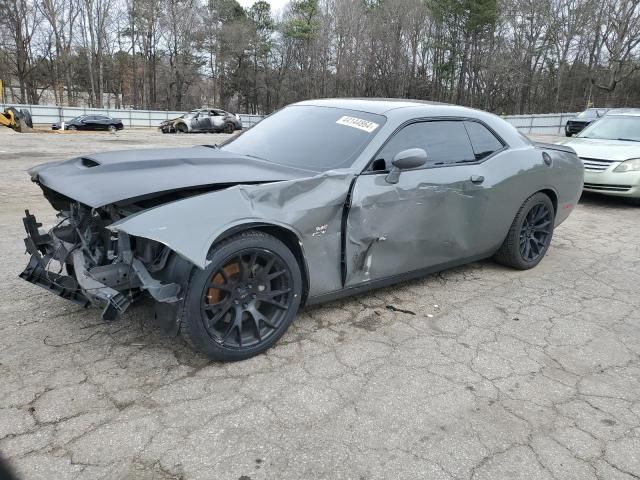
480 372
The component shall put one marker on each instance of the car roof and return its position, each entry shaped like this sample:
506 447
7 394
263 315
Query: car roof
398 111
372 105
635 112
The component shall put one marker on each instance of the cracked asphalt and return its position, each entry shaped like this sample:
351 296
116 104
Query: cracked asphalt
480 372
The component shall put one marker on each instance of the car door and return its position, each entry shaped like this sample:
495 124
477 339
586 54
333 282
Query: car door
102 122
87 123
204 121
432 217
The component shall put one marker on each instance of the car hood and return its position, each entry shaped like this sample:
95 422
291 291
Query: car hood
605 149
100 179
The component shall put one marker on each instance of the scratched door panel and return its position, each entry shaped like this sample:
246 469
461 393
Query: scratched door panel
430 217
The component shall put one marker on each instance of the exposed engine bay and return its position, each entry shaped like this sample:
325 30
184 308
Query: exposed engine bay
80 259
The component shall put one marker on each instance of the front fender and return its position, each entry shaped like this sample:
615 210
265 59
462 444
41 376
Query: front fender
310 207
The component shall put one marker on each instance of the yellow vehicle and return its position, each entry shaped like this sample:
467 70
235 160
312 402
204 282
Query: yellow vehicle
18 120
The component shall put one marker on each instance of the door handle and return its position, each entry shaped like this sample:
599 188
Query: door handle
477 179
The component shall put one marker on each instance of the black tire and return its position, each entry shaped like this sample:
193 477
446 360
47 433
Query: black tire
228 329
567 134
529 236
180 128
72 127
229 128
26 118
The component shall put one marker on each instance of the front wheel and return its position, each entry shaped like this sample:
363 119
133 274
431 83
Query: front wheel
245 300
530 234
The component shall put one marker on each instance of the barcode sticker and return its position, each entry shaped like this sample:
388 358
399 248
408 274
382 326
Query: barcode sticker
358 123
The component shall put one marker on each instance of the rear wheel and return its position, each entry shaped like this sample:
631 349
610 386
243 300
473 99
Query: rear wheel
72 127
530 234
245 300
228 128
180 128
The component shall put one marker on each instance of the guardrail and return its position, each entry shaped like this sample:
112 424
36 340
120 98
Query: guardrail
46 115
541 124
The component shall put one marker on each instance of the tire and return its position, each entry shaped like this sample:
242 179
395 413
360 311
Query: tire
250 311
229 128
72 127
26 118
181 128
529 238
568 134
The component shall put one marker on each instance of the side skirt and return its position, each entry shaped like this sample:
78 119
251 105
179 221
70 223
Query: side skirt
385 282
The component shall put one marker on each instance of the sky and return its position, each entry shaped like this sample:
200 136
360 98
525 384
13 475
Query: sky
276 5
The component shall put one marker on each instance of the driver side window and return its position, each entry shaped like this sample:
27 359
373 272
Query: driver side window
446 142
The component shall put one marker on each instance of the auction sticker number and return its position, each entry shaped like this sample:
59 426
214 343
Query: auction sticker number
358 123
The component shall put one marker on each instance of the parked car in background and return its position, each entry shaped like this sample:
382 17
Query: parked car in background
91 122
610 152
204 120
231 240
582 120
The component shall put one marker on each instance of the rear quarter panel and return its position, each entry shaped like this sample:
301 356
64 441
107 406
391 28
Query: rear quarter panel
516 174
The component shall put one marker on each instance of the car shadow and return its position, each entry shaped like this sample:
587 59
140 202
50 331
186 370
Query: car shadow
598 200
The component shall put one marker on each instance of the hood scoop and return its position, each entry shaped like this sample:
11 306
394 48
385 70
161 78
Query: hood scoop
89 162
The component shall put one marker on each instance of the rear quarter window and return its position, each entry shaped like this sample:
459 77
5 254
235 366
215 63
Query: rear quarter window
483 141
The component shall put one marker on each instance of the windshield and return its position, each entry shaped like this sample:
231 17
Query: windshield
309 137
614 128
587 114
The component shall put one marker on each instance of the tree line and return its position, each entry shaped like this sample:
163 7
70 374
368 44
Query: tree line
506 56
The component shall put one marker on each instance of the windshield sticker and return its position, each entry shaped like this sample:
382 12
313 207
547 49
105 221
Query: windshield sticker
358 123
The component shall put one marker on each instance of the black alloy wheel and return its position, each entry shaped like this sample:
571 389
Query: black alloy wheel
530 234
536 232
245 299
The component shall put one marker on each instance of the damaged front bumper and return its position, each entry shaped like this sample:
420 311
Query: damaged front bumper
112 285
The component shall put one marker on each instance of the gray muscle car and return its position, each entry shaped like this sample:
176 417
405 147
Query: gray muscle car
320 200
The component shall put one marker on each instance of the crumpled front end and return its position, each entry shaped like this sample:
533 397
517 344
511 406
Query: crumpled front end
81 260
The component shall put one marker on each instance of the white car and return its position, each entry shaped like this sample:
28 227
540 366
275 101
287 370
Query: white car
610 152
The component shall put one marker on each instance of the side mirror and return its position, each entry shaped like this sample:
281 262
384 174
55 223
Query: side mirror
406 160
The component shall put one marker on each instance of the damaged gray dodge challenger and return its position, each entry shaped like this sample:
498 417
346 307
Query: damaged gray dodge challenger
320 200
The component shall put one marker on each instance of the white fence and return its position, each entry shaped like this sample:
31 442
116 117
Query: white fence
541 124
46 115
